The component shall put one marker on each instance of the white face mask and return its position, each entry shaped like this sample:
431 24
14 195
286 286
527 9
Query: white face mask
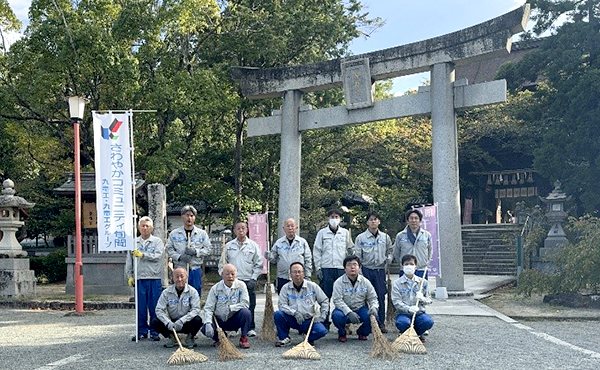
334 222
408 270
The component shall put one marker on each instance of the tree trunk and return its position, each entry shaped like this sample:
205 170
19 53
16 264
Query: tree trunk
237 172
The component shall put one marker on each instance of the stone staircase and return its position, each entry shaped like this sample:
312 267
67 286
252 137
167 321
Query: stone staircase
490 249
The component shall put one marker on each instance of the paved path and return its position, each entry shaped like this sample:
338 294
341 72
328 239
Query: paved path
466 335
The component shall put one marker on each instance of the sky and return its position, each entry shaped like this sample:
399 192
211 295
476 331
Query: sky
406 21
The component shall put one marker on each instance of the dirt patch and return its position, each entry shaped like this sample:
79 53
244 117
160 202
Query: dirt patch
507 301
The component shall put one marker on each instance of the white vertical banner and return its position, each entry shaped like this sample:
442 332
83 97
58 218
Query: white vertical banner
113 182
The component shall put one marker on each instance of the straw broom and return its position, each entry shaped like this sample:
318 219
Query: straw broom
381 347
184 356
268 326
227 350
304 350
409 341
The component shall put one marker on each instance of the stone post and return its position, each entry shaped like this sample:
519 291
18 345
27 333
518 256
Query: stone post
446 193
157 211
16 279
289 173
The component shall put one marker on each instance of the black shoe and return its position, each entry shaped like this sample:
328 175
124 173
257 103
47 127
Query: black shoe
155 338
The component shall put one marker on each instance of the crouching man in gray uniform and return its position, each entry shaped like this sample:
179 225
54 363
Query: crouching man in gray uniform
297 307
179 308
228 301
354 299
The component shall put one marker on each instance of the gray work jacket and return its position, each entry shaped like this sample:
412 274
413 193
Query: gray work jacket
330 249
152 264
246 257
224 303
348 297
404 291
374 251
171 307
303 301
285 254
177 243
421 249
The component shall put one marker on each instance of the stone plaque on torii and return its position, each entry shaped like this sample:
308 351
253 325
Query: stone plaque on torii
356 74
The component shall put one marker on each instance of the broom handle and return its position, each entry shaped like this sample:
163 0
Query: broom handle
310 328
177 337
412 322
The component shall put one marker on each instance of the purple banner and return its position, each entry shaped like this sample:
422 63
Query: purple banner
258 231
430 223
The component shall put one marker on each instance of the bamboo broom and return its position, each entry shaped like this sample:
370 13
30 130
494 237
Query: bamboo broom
304 350
409 341
267 333
184 356
227 350
381 347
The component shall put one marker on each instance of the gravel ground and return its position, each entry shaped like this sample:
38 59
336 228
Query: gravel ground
35 339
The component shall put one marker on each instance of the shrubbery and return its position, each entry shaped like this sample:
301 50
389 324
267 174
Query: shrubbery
577 263
53 266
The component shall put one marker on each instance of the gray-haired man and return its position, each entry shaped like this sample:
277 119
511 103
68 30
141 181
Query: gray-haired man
149 251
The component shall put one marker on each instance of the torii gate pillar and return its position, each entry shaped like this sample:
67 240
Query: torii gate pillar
290 166
446 190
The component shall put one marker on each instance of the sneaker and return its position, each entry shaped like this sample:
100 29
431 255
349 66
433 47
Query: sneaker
172 342
422 338
155 338
251 333
342 339
283 342
244 342
140 337
189 342
362 337
426 332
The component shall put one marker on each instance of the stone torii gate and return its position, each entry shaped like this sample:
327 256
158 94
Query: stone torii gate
356 74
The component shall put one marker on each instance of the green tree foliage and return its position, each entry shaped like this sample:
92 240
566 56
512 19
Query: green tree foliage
499 137
567 101
577 262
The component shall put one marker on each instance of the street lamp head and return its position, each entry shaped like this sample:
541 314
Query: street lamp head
76 107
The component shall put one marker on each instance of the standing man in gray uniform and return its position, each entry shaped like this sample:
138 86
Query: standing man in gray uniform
187 246
149 251
178 308
246 256
332 244
375 250
414 241
289 249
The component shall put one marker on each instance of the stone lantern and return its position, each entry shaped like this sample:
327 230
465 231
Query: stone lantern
556 215
16 279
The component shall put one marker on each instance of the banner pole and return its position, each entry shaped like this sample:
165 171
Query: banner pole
134 215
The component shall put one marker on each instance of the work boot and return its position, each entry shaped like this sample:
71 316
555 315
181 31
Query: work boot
172 342
189 342
244 342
